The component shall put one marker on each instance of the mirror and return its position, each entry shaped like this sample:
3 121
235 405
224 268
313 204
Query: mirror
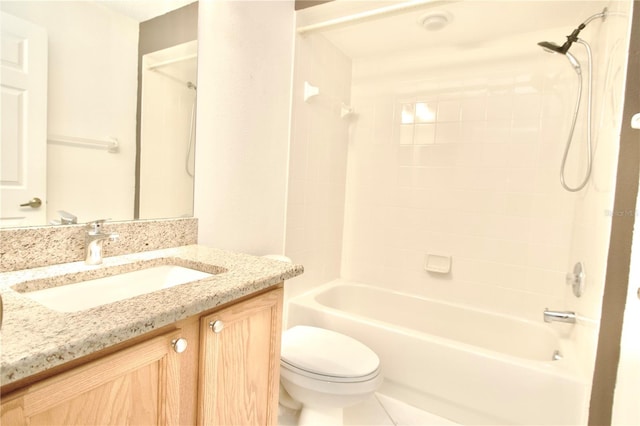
117 129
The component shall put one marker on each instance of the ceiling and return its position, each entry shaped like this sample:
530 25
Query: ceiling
143 10
472 24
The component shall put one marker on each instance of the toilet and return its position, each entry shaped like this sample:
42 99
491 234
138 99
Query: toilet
326 371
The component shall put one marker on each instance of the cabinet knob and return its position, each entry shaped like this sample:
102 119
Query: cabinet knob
216 326
179 345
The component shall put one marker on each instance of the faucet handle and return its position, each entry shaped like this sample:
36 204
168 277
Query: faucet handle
67 218
95 225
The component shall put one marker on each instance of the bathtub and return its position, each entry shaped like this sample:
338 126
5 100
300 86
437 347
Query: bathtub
464 364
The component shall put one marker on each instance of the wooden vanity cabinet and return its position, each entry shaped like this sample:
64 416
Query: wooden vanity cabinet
137 385
225 377
240 363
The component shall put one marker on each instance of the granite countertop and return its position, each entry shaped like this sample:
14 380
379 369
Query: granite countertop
34 338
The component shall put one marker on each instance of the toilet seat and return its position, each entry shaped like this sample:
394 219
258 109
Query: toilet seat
328 378
328 356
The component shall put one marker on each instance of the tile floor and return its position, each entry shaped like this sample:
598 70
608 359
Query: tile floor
379 410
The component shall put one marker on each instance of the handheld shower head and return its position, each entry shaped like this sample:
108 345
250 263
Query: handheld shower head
574 62
571 38
564 49
553 48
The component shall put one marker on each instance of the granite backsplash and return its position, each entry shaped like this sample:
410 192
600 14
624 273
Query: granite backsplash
32 247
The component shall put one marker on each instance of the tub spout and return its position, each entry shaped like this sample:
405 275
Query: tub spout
559 316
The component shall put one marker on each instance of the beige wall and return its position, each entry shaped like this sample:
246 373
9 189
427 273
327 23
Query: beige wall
244 100
302 4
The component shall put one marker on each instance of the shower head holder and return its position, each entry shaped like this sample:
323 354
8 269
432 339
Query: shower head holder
571 38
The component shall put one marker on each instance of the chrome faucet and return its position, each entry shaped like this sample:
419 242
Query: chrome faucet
93 240
67 218
559 316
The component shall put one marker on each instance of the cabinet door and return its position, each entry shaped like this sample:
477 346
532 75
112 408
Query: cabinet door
137 386
240 363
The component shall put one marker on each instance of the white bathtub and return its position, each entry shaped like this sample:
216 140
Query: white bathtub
471 366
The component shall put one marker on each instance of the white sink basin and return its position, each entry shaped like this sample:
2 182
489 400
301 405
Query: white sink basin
101 291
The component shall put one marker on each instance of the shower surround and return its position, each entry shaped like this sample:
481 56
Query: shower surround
454 150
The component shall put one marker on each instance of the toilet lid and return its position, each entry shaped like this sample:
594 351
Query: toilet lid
327 353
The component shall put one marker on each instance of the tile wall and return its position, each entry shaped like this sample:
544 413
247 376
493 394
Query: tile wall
465 168
318 160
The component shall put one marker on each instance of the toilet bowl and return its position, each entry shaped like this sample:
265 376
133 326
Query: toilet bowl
326 371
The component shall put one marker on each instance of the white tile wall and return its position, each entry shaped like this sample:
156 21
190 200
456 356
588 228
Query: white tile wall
318 161
476 178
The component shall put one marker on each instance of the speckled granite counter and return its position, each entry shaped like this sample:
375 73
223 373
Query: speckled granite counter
35 246
34 338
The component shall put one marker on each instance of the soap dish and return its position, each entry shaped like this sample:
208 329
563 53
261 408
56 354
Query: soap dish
437 263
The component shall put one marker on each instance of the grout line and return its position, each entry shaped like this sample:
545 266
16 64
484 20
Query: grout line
385 409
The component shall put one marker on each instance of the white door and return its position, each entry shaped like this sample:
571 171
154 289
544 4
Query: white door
23 147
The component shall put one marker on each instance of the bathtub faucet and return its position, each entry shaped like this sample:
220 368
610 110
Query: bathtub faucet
559 316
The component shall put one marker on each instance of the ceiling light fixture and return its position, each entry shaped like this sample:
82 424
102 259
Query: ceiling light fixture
434 21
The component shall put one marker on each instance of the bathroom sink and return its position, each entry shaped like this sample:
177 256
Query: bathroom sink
101 291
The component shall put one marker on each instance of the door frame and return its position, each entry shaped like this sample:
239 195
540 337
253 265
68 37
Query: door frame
619 260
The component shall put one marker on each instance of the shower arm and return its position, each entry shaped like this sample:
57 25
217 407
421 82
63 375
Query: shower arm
573 37
603 15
